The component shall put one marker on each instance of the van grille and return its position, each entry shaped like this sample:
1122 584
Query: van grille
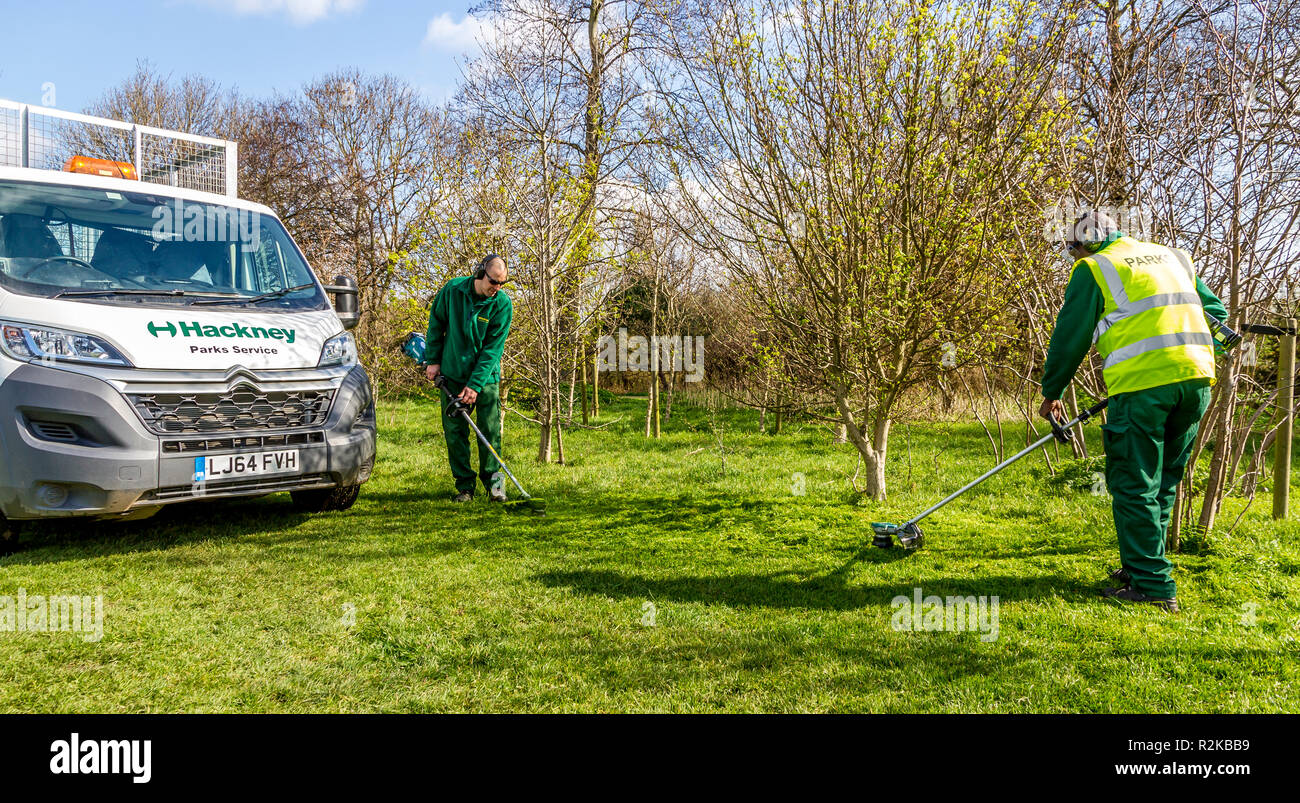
237 488
280 441
55 431
241 409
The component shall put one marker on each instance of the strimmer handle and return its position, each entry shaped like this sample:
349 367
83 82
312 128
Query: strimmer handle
1062 431
457 406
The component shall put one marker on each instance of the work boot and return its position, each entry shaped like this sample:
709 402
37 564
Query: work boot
464 496
497 494
1129 594
1120 576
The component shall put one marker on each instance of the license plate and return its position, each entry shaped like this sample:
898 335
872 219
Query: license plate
233 466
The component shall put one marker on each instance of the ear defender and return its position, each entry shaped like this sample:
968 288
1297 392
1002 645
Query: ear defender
481 270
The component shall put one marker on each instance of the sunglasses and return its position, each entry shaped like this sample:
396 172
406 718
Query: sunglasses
494 282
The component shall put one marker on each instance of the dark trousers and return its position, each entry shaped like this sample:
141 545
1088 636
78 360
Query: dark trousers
1148 436
487 412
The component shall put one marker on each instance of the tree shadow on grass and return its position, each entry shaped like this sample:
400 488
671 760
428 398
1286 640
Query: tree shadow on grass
587 511
832 591
577 517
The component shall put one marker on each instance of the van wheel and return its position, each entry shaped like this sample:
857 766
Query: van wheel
322 500
8 536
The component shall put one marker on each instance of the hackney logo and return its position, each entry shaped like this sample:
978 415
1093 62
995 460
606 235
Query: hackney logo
230 330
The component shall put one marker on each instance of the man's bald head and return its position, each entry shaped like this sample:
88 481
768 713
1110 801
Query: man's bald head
491 274
1090 230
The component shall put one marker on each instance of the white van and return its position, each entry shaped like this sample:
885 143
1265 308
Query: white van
161 340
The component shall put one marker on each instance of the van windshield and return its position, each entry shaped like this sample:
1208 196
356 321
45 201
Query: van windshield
129 247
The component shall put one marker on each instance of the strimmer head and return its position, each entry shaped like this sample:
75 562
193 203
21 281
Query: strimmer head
884 531
532 505
909 535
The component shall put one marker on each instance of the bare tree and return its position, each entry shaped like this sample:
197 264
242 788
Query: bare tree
1232 194
860 170
559 91
1188 111
193 104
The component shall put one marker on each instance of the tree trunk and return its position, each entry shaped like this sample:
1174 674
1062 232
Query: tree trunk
1174 537
657 416
548 400
1216 485
651 412
544 440
595 385
573 381
585 418
651 392
874 451
1080 445
559 442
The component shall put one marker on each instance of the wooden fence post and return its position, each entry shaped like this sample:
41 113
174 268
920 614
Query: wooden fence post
1286 379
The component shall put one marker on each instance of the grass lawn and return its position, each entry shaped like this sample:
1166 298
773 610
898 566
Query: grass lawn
669 575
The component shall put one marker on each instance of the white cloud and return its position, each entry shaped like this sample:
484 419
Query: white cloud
300 12
465 36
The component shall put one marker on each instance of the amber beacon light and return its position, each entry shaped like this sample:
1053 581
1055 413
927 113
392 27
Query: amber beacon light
100 167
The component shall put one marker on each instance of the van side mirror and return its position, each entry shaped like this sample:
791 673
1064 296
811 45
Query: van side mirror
345 300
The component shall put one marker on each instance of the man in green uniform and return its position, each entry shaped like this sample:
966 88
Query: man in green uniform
468 325
1144 307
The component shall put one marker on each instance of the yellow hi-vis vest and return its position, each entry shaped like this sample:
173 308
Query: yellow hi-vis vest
1153 330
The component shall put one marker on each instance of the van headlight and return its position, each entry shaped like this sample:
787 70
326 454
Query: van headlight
56 345
340 350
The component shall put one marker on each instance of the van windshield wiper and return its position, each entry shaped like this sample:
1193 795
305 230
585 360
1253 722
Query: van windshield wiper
127 291
254 299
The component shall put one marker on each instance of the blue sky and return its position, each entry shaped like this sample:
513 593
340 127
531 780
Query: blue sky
256 46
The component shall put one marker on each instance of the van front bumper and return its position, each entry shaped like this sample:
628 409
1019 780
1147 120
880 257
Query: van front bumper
73 445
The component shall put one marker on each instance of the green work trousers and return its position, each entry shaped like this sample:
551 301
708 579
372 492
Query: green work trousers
1148 436
487 410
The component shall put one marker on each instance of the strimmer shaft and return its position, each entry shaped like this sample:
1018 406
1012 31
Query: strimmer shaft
441 381
483 440
1059 431
1033 446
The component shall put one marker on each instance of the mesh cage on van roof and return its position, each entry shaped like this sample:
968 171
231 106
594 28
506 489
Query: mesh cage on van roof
44 139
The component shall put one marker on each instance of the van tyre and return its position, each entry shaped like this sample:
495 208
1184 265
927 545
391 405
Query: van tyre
8 537
323 500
